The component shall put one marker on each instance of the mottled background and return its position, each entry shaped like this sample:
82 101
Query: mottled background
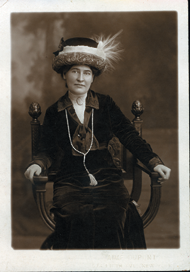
147 71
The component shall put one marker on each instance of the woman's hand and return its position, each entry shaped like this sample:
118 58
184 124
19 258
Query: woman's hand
33 169
163 170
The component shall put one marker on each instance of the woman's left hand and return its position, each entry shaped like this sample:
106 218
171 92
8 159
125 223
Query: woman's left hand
163 170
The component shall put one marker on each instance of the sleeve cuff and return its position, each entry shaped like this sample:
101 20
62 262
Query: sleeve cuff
44 163
154 162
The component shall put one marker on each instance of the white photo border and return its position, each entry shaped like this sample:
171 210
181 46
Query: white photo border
149 260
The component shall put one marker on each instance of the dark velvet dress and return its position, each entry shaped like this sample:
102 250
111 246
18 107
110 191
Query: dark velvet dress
92 217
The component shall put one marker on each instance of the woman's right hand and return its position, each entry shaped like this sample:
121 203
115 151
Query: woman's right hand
31 170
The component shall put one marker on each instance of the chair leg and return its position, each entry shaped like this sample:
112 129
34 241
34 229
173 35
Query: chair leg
48 243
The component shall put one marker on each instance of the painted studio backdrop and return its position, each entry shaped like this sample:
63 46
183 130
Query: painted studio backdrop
147 71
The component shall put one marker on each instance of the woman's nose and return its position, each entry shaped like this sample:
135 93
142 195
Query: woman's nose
80 77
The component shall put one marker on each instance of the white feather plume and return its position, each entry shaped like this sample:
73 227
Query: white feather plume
110 48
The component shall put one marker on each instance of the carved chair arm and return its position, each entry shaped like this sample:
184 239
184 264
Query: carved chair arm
155 196
39 190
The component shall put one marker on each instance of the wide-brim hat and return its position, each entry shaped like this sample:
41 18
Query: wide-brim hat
99 53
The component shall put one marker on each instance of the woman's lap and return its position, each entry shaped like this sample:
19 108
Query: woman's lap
96 218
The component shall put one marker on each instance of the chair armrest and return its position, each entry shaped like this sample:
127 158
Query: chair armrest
155 197
39 190
40 182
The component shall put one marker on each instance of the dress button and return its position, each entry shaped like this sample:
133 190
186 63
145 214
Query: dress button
79 135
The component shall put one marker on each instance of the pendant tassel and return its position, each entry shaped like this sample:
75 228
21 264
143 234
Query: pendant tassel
93 181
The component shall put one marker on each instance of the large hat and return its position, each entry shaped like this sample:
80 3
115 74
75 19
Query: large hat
98 52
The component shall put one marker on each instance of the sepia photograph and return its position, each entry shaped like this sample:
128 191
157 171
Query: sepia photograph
139 74
94 131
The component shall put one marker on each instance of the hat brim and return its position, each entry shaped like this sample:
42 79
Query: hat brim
78 58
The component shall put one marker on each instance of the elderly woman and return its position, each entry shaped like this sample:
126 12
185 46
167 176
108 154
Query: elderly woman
91 205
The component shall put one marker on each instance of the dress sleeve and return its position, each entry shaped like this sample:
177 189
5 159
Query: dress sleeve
47 145
129 137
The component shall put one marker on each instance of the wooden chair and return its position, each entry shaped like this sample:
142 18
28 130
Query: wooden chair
131 169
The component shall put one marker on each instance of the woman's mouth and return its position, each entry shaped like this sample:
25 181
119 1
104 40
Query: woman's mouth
80 85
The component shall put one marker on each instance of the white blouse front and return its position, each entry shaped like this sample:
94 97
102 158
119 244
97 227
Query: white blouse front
79 104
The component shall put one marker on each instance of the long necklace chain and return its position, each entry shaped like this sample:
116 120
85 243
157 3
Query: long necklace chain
84 154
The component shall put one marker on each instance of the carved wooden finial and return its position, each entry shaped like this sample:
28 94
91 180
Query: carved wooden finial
137 109
35 111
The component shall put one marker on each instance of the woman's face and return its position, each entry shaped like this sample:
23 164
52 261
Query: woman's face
79 79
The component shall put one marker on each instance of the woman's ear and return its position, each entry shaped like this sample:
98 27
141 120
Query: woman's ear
64 77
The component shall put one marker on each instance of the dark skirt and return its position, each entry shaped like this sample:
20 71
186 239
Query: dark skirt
96 217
